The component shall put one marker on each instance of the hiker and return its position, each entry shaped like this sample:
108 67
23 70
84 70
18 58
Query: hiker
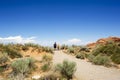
55 46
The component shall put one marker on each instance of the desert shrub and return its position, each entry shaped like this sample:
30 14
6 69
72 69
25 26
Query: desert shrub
1 45
111 49
17 47
64 47
47 60
74 46
67 69
23 65
31 62
20 66
97 50
71 50
48 49
34 46
84 49
3 58
47 57
101 60
13 50
45 67
86 55
116 58
12 53
108 49
25 48
91 57
31 45
1 69
80 55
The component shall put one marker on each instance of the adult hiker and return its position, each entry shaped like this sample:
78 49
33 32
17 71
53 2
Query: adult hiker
55 46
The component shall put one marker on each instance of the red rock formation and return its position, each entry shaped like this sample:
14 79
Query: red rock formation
103 41
91 45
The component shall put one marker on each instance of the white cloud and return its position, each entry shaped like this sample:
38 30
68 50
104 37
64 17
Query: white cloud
17 39
75 40
45 43
20 39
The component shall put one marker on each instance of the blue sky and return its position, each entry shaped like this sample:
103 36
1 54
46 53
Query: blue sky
59 20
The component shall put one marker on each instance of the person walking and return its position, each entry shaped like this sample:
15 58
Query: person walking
55 46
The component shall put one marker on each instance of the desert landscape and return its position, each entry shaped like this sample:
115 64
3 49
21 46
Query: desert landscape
59 40
34 62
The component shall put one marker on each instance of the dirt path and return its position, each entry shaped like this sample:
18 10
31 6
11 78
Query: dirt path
86 70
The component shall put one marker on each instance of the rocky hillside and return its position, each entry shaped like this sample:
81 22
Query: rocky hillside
104 41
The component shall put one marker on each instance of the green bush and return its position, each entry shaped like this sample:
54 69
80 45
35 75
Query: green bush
71 50
101 60
116 58
67 69
47 57
31 62
1 45
48 49
91 57
16 47
20 66
84 49
108 49
25 48
45 67
31 45
111 49
64 47
47 60
12 53
3 58
86 55
1 69
23 65
12 50
80 55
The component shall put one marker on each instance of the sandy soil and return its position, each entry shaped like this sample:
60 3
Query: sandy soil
86 70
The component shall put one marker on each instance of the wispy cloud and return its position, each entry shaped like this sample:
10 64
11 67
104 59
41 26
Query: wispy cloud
74 40
17 39
22 40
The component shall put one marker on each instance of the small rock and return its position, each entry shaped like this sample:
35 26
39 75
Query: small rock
36 77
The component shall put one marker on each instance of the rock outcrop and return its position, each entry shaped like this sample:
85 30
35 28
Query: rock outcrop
103 41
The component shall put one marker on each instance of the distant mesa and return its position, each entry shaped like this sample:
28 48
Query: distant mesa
103 41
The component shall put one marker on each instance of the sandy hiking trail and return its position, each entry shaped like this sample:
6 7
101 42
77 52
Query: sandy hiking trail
86 70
